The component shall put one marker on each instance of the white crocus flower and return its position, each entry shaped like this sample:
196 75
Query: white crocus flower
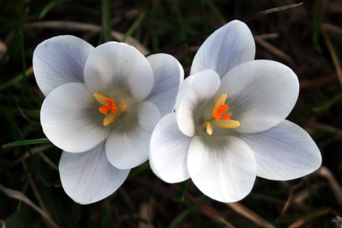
229 122
101 106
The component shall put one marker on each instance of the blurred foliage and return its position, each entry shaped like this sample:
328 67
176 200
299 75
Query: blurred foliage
177 27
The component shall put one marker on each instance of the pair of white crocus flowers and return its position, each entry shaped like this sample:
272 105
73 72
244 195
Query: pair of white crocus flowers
110 109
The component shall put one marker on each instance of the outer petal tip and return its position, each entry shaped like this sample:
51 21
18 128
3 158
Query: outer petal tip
168 151
59 60
284 152
229 46
168 75
89 177
223 168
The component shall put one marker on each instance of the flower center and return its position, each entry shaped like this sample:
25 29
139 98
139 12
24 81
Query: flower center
219 116
109 108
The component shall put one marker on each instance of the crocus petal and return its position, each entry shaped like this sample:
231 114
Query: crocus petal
201 89
284 152
183 88
222 168
71 120
169 150
113 66
128 146
89 177
59 60
168 74
227 47
261 94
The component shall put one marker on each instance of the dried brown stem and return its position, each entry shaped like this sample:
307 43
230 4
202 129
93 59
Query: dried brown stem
334 185
274 50
272 10
249 214
34 150
209 211
318 82
332 28
332 53
325 127
303 221
291 197
21 197
85 27
3 224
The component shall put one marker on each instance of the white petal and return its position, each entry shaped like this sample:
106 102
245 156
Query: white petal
227 47
71 120
59 60
201 88
222 168
89 177
169 151
183 88
261 94
129 147
113 66
284 152
168 74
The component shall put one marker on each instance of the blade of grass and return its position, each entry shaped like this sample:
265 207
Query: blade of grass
330 103
49 7
18 78
145 166
180 218
26 142
216 11
106 28
185 187
23 62
180 20
134 26
315 24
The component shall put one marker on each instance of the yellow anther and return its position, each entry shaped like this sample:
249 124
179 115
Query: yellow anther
227 123
220 101
208 127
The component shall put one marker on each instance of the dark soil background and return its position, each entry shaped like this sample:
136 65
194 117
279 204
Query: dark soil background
308 38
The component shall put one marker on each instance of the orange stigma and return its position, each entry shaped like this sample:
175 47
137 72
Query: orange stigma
109 106
217 113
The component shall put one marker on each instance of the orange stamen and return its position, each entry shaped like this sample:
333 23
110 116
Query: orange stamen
111 106
104 109
109 109
217 113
